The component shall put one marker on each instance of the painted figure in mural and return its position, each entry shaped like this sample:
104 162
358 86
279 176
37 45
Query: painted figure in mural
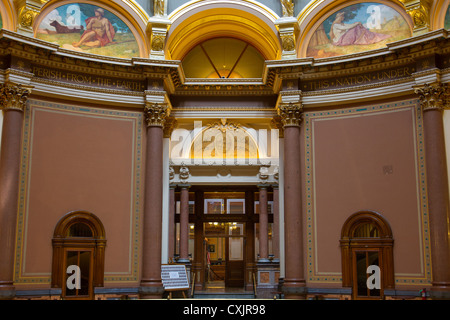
99 31
288 8
374 20
159 7
343 34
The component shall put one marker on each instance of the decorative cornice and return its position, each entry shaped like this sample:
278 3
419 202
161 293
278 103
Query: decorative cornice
13 97
290 113
156 114
431 96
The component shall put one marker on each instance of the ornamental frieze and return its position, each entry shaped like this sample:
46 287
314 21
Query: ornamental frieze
402 72
85 79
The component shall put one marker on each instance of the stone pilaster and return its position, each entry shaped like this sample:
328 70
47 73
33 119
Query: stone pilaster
157 28
288 30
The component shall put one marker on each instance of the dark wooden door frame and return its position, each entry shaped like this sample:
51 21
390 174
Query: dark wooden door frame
249 218
384 243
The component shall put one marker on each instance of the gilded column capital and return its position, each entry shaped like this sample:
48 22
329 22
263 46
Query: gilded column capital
156 114
277 124
13 97
431 96
290 113
169 126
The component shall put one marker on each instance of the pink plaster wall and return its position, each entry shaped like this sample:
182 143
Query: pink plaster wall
349 154
79 162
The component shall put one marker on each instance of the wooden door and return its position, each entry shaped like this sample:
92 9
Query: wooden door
362 259
83 258
235 265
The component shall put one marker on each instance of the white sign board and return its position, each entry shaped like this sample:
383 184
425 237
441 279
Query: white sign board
174 277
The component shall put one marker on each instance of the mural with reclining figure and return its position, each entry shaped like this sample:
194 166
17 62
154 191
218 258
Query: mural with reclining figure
90 29
357 28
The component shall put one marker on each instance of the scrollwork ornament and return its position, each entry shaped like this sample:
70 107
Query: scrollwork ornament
431 96
158 43
184 174
13 97
26 20
156 114
288 42
419 18
290 113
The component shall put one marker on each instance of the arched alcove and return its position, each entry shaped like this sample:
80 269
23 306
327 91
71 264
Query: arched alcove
366 238
79 239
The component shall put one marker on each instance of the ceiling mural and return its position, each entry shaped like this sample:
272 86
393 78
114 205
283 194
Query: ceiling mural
90 29
357 28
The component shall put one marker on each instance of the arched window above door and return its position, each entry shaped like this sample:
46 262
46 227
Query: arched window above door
366 230
225 58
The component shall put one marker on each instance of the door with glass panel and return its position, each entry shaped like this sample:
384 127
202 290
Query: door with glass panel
363 287
78 281
225 253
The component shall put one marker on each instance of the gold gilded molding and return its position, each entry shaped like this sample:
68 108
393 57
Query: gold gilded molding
156 114
288 8
13 97
276 123
290 113
431 96
419 11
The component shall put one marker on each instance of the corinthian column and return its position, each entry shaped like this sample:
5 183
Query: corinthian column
12 101
151 284
432 103
294 282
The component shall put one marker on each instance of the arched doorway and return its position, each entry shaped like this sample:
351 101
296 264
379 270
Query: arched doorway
78 248
366 240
